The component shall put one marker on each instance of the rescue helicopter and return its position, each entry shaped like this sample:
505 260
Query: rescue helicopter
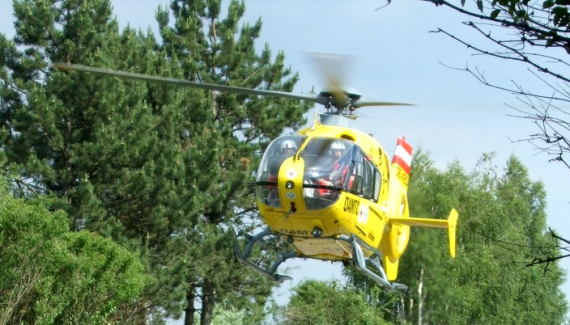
330 191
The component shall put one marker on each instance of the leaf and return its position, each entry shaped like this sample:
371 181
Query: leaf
559 13
564 21
547 4
480 5
495 13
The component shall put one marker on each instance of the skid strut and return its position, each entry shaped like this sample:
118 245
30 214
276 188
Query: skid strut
360 263
270 274
358 258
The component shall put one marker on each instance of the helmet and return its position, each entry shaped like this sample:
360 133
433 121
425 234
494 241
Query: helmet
337 148
288 146
337 145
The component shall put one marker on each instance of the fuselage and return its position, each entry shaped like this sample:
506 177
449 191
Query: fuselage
310 195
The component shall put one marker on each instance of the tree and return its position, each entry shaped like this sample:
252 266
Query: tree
316 302
52 276
208 49
161 170
502 224
54 124
226 316
534 34
488 282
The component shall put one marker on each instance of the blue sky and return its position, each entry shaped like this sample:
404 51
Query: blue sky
395 58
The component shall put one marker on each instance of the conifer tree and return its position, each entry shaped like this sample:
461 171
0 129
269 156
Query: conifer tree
56 132
210 49
159 169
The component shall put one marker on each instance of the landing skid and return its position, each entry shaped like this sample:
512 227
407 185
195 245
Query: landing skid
374 260
357 257
270 274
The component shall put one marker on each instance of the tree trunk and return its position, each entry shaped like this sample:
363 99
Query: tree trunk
208 303
420 298
190 310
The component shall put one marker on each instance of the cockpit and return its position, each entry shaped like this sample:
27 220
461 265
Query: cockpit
332 165
327 163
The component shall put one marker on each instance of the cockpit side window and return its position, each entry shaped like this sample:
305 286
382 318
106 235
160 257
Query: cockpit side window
378 183
327 162
279 150
365 178
368 180
356 175
275 154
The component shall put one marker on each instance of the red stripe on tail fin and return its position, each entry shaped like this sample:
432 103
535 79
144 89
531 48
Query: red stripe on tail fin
403 155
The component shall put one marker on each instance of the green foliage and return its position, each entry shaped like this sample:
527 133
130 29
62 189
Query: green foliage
520 30
51 276
226 316
547 4
501 228
160 170
316 302
535 34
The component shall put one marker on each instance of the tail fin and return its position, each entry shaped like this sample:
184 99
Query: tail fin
395 241
401 162
397 206
391 268
452 225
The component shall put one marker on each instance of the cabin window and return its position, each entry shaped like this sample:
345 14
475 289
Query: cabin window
327 158
327 164
365 179
355 186
266 176
378 180
368 180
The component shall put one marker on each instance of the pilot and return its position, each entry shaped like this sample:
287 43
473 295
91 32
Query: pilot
337 149
338 174
288 147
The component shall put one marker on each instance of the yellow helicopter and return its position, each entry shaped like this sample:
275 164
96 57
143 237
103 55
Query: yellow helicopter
330 191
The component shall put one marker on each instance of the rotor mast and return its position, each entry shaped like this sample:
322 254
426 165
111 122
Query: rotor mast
339 105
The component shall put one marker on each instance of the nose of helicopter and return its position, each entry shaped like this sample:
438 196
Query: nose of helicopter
290 183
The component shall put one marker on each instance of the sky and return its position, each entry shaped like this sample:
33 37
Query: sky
396 58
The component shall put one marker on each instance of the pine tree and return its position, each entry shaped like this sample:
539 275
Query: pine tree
207 48
57 134
159 169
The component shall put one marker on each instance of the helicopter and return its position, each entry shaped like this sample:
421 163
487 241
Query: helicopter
330 191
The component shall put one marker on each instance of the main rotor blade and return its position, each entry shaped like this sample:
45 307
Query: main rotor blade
333 68
363 103
183 83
